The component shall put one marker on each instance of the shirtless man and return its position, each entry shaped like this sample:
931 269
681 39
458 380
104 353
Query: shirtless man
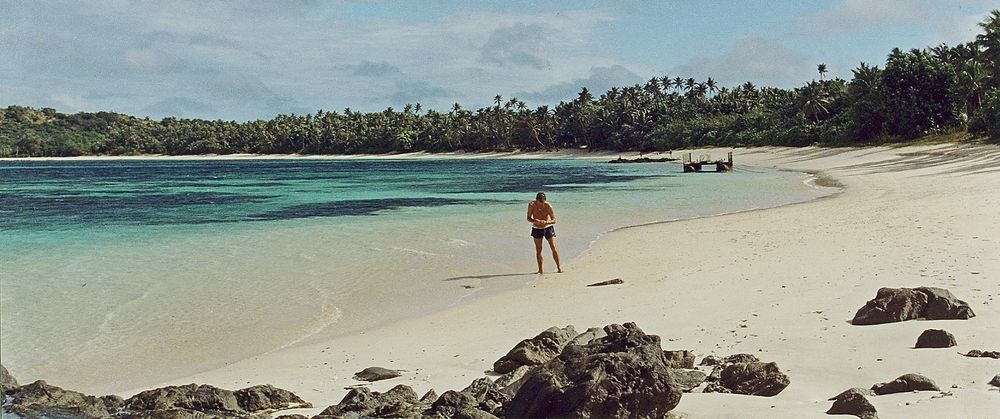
542 216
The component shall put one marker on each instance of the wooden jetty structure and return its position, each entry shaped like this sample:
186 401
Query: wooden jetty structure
696 166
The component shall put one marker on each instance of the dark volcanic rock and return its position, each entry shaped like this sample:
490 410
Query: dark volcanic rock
535 351
891 305
585 337
905 383
853 402
452 402
935 338
204 398
995 381
976 353
754 378
400 401
621 375
687 380
41 400
679 359
376 374
7 381
296 416
721 364
942 305
488 395
899 304
267 398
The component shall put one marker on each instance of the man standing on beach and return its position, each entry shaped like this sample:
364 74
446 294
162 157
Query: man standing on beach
542 216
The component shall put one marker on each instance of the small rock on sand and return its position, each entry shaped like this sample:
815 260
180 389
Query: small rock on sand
616 281
906 383
935 338
376 374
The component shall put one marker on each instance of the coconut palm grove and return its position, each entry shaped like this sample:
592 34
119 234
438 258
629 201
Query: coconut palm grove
942 90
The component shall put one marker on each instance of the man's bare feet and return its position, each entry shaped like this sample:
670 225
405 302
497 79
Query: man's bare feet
539 273
559 271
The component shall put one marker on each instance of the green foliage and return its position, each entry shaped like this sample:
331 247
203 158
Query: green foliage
918 93
986 120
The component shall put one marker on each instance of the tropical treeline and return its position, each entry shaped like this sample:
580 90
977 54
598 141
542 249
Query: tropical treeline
942 89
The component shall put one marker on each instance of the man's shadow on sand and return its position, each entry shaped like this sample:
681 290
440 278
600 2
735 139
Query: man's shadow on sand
459 278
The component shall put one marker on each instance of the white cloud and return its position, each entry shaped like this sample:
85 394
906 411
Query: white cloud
599 81
761 61
850 15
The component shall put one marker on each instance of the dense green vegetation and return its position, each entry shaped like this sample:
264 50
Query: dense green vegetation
942 89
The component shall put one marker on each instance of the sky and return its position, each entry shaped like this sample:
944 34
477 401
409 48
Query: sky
248 60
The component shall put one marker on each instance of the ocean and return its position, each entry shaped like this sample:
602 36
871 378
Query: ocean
137 264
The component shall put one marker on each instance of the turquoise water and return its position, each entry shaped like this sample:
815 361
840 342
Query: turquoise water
149 263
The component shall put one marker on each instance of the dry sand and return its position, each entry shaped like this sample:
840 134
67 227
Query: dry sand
781 284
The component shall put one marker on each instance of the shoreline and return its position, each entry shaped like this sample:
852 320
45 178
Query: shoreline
446 350
848 242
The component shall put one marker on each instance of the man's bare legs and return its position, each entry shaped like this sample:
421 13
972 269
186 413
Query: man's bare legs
538 254
555 254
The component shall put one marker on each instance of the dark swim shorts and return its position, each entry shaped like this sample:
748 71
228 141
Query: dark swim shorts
547 232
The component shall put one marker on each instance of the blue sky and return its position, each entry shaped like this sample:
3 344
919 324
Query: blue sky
252 60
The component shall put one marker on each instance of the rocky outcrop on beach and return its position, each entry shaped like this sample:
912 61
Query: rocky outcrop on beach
898 304
995 381
935 338
853 402
623 374
535 351
744 374
906 383
42 400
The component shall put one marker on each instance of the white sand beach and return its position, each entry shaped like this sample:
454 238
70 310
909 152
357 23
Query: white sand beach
780 283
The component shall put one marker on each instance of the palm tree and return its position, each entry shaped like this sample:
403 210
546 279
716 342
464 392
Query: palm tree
990 43
821 68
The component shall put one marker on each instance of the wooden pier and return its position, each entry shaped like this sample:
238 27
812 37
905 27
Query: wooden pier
696 166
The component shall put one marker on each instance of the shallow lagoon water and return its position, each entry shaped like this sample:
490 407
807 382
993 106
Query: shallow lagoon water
139 264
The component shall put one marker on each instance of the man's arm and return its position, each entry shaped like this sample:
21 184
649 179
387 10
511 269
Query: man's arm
530 218
552 214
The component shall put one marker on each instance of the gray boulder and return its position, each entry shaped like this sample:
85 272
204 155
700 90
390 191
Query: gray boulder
585 337
687 380
623 374
754 379
41 400
942 305
935 338
400 401
720 364
679 359
906 383
509 378
202 398
898 304
267 398
535 351
376 374
853 402
488 395
995 381
7 381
